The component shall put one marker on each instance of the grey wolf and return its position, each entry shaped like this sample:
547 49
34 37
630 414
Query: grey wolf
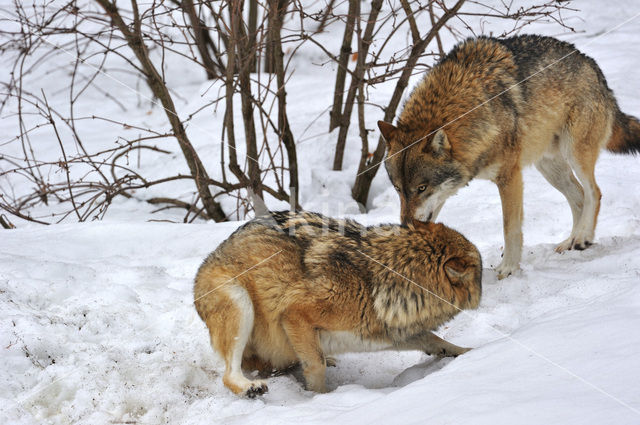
329 286
492 107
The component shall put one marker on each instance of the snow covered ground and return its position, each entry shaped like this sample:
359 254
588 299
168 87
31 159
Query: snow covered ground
98 327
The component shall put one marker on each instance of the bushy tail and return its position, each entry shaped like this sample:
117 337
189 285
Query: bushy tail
625 137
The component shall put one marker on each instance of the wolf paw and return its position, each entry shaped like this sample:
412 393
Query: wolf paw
256 388
505 270
576 243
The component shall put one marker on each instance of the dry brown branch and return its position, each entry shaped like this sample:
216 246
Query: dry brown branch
157 85
365 176
5 223
364 42
335 115
228 41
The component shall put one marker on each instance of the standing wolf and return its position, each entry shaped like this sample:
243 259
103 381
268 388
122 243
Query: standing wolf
294 287
492 107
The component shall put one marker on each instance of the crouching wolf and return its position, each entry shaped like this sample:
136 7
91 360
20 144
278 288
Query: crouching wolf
492 107
293 288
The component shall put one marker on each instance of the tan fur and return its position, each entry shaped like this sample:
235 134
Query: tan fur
502 105
330 286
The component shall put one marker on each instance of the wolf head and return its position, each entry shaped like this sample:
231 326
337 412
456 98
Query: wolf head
424 174
461 262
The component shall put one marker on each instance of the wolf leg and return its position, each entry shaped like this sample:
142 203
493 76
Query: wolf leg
583 157
587 224
305 342
230 326
432 344
252 362
510 188
558 173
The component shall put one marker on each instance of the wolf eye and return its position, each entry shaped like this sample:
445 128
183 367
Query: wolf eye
397 188
422 188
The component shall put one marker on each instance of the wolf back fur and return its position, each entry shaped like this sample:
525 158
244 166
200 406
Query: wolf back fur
292 288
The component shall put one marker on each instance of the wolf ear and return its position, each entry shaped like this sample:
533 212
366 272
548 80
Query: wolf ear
440 142
387 130
458 272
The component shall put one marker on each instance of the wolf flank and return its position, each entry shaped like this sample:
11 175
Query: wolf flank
293 288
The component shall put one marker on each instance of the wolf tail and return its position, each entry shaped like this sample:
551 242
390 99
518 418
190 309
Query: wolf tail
625 137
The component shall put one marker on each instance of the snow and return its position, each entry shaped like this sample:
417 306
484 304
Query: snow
99 327
98 324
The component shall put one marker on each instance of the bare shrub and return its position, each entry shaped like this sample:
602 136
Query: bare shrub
239 47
